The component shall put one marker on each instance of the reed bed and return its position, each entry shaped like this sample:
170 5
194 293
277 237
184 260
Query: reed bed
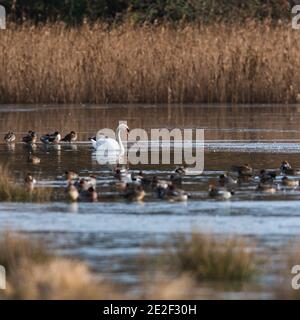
206 258
256 62
11 191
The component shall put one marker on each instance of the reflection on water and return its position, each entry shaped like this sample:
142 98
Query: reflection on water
220 122
116 231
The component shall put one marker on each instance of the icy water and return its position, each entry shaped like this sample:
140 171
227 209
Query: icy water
112 234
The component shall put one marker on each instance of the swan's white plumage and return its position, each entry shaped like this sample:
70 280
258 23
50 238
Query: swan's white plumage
108 144
110 150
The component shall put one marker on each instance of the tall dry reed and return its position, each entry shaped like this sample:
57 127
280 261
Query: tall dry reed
254 62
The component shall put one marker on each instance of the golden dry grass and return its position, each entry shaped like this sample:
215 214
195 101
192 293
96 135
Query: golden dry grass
34 273
206 258
254 62
16 250
11 191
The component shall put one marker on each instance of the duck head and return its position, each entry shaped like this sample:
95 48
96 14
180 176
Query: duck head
284 166
212 187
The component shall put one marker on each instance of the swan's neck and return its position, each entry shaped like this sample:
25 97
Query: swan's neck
122 150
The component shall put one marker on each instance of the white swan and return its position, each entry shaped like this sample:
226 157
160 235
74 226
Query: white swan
108 149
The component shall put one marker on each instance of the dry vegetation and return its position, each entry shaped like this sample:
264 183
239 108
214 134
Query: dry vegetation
206 258
11 191
34 273
254 62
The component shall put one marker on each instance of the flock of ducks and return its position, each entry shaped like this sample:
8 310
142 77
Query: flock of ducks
267 182
130 186
134 187
50 138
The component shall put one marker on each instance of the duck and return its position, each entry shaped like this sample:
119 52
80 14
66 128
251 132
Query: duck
141 179
72 191
158 183
245 177
30 138
225 179
219 193
136 180
244 169
265 188
71 175
84 184
92 138
119 186
70 137
122 178
159 187
287 169
88 194
264 172
128 177
267 177
289 183
91 181
29 182
180 170
122 174
172 193
176 180
33 159
134 192
81 185
92 194
10 137
53 138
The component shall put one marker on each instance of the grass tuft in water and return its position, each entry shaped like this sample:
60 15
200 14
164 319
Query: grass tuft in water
16 250
206 258
11 191
34 273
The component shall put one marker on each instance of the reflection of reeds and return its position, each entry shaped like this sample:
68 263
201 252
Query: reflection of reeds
206 258
10 191
254 62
